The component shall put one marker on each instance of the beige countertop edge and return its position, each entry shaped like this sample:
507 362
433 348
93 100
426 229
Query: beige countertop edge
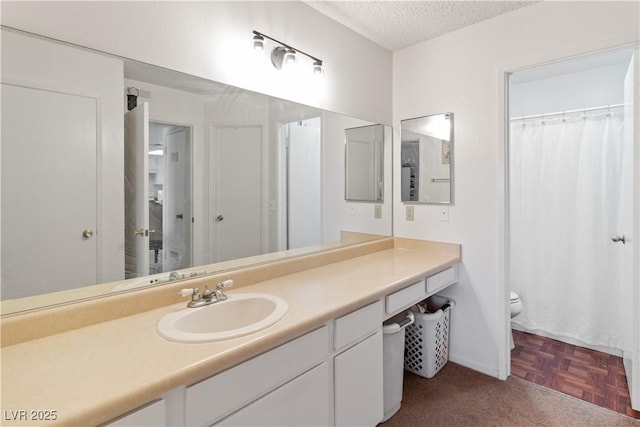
38 324
192 367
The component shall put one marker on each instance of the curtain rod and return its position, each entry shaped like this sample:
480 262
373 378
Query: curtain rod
560 113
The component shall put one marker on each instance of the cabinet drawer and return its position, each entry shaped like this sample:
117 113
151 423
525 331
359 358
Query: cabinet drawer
304 401
149 415
359 323
217 396
442 279
405 297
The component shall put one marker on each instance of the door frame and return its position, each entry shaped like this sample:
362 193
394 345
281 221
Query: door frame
503 288
212 193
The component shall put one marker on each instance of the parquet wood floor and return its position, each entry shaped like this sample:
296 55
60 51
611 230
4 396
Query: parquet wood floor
590 375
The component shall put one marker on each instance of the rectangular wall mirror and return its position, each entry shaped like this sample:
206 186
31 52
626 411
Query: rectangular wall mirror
213 177
426 157
364 163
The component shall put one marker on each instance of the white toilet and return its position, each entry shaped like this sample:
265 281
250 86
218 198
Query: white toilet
516 308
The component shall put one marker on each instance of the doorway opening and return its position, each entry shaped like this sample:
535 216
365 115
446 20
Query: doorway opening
570 202
170 207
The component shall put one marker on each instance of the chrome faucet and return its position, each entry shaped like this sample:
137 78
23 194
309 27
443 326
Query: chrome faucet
208 296
174 276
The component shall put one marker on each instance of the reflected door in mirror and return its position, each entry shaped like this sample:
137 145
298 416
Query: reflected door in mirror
237 207
364 163
49 186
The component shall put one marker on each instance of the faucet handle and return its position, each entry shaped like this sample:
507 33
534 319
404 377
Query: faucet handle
188 292
226 284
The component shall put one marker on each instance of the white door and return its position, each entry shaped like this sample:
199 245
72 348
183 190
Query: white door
46 194
177 200
236 214
136 190
304 187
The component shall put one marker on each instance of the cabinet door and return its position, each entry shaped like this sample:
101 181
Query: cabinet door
303 401
358 384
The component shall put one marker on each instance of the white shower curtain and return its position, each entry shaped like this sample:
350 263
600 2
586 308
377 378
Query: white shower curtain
565 180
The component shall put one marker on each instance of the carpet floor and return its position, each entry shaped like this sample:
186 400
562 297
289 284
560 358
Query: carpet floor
458 396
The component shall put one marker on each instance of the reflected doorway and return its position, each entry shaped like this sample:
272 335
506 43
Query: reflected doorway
302 183
170 207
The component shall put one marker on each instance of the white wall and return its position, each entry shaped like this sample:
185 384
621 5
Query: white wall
463 72
213 39
569 90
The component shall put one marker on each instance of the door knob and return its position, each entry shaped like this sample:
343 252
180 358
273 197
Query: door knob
87 234
141 232
616 238
219 218
179 216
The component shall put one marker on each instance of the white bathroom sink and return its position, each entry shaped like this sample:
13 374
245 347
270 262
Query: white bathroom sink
239 315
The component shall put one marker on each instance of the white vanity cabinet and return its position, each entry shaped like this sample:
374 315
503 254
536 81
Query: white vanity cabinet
303 401
422 289
209 401
151 415
305 382
330 376
358 369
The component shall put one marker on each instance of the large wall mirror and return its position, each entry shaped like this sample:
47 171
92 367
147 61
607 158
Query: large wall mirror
426 157
118 175
364 163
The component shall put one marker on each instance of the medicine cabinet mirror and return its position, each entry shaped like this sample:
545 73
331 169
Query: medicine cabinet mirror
426 156
364 163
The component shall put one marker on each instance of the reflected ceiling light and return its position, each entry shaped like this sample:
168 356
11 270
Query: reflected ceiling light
284 55
317 67
289 57
258 42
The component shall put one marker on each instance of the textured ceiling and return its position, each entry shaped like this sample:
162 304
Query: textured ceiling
397 24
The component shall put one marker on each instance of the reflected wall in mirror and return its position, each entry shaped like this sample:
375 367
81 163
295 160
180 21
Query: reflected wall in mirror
364 163
426 157
211 177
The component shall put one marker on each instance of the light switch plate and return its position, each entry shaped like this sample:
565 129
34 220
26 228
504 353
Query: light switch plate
409 213
351 210
377 213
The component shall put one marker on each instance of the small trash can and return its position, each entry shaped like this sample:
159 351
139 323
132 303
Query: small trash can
426 347
393 360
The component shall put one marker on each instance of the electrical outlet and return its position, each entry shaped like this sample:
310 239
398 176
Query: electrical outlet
444 214
377 213
409 212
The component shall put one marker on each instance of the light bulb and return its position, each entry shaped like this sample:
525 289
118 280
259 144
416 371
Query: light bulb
258 42
317 67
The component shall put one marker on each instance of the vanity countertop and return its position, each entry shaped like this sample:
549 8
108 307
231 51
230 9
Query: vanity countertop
91 375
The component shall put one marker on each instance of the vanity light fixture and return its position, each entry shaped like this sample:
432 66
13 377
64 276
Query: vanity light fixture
284 55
